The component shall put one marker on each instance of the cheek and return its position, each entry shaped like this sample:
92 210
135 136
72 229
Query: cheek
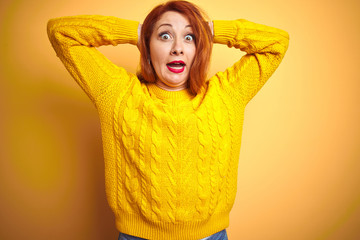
192 54
156 54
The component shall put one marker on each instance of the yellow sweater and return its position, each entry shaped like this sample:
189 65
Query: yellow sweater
171 159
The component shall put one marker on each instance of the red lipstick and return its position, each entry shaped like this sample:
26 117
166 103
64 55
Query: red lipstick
176 66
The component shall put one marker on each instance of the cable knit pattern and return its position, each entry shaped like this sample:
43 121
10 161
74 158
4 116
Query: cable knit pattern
155 165
171 158
223 121
214 174
143 165
228 150
202 168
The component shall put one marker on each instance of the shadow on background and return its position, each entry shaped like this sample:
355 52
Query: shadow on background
299 166
53 180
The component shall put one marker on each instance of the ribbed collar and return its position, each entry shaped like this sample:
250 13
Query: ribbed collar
172 97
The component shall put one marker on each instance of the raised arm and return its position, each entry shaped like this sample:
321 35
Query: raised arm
75 40
265 47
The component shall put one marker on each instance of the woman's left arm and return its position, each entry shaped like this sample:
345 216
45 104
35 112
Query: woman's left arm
265 47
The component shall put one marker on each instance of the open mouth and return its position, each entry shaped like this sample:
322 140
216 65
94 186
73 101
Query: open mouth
176 66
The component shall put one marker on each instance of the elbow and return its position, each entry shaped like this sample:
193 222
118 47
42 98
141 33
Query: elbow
54 35
50 27
282 44
286 38
53 27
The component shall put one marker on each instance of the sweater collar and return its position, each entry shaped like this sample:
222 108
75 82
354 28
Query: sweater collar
173 97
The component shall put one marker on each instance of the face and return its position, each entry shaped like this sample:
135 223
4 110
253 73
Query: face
172 50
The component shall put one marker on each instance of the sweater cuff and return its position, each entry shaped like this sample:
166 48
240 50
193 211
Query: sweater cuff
224 31
125 31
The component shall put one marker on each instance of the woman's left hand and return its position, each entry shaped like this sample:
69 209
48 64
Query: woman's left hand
211 25
139 35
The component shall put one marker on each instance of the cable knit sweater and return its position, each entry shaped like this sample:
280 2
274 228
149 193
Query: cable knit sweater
171 158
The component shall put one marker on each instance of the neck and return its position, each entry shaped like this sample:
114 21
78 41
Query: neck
169 88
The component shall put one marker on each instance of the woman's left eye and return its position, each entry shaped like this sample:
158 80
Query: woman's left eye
189 37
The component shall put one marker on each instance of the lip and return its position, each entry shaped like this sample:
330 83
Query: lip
176 70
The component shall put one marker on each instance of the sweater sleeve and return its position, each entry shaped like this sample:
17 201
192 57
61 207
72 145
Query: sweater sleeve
75 39
265 47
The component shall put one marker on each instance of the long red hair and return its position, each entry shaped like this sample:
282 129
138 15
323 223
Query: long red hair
203 42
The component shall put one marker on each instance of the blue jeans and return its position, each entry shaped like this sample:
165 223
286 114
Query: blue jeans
222 235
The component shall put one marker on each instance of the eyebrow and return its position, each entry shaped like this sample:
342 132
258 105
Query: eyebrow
168 24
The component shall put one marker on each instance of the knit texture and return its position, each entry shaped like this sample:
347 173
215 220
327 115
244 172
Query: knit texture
171 158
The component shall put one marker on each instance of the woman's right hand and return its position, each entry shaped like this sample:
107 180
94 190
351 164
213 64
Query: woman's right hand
139 35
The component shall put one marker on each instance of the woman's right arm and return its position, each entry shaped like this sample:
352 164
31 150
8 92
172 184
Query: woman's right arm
75 39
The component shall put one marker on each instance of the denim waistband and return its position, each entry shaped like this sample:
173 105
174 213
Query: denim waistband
222 235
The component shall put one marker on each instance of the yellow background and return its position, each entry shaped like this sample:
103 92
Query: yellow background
299 170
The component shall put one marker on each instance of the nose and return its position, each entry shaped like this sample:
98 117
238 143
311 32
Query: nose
177 48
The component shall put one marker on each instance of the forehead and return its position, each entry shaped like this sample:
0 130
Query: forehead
172 18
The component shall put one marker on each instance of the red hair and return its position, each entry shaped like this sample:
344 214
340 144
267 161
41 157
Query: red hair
203 42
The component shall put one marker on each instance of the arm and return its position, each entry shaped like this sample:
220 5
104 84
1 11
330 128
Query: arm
74 40
265 47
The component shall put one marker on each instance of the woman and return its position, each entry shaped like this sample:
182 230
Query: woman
171 137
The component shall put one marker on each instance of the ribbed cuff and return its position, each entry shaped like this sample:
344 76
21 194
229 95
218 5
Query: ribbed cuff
125 31
224 31
137 225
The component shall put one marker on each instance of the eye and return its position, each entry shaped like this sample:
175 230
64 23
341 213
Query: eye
189 37
164 36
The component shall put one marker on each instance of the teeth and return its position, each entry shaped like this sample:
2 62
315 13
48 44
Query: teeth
176 65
